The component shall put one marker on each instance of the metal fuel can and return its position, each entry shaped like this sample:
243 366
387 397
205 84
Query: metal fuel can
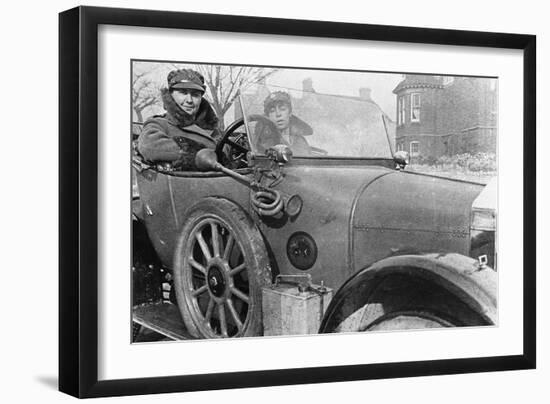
293 307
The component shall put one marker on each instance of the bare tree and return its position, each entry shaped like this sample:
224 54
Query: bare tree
224 83
145 93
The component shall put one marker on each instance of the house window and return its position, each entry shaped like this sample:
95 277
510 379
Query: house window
415 107
400 146
414 147
401 110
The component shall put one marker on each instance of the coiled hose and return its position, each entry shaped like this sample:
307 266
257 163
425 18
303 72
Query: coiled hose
267 202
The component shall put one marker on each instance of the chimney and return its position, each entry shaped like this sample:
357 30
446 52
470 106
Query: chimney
307 85
364 93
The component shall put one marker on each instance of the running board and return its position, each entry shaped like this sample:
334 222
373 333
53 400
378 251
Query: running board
164 318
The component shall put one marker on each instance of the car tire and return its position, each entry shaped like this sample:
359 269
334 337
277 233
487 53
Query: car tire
400 302
220 267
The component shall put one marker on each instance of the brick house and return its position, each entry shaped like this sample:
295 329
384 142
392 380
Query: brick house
444 115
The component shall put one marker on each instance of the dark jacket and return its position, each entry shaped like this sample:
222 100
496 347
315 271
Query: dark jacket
175 137
267 135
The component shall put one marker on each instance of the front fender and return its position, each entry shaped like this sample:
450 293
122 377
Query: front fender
455 274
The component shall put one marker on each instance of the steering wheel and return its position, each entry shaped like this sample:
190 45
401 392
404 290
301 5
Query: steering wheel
233 147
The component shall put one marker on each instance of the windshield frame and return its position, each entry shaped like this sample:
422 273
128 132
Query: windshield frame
383 125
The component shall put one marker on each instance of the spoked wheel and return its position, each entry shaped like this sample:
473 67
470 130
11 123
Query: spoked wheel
219 269
217 282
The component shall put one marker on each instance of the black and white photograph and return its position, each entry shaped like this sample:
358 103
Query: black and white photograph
218 202
251 202
271 201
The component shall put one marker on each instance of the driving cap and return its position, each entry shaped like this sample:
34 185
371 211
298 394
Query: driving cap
276 97
186 78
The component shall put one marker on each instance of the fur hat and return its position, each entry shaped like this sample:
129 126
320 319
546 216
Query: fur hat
275 98
186 78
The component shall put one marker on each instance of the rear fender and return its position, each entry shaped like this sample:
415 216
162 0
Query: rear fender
455 274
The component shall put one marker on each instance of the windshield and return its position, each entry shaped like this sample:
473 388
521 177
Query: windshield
314 124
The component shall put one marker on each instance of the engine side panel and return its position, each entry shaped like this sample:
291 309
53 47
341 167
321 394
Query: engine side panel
411 213
328 194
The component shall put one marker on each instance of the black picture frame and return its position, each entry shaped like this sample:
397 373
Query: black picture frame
78 196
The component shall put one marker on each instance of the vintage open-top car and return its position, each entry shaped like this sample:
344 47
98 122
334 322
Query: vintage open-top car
397 249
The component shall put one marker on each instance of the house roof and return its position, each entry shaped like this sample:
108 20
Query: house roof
419 81
254 102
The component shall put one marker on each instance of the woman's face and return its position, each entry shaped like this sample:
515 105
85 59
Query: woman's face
187 99
279 114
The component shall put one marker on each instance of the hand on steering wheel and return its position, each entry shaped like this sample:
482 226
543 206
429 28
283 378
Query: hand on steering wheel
233 147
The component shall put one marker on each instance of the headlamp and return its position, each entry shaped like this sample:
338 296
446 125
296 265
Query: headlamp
483 219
